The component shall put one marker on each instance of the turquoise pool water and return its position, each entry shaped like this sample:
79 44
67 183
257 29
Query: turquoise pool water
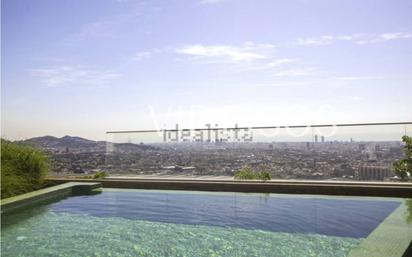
174 223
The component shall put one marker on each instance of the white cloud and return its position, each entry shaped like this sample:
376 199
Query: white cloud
112 27
268 65
222 53
142 55
147 54
357 38
356 98
324 40
328 39
392 36
276 84
74 75
211 1
89 31
297 72
246 57
279 62
354 78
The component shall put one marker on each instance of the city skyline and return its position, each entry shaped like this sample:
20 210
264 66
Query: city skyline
84 68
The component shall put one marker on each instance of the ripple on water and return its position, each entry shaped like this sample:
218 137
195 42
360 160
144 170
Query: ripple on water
66 234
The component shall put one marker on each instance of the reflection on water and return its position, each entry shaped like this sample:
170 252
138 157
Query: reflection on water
67 234
269 212
16 215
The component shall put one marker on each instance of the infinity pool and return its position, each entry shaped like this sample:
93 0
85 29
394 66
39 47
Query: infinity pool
184 223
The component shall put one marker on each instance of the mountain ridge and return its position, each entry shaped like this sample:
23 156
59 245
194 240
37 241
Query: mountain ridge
79 143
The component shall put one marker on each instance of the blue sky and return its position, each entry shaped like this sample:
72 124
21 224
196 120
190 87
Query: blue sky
85 67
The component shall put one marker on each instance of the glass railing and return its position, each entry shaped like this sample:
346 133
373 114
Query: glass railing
348 152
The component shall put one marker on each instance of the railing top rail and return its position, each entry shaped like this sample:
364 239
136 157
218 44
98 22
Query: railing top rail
267 127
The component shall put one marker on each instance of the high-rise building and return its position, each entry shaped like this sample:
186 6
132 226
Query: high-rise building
373 172
322 138
316 138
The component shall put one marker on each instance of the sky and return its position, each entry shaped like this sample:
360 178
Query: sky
75 67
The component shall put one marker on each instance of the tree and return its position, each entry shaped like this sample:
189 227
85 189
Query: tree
403 167
247 173
23 168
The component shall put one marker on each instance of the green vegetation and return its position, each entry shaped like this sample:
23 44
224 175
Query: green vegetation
97 175
403 167
247 173
100 174
23 168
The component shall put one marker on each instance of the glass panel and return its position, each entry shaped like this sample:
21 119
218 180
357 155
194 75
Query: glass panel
330 152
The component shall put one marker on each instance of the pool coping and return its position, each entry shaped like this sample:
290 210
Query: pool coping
379 189
392 237
46 194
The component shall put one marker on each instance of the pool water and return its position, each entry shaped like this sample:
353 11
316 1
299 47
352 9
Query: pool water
177 223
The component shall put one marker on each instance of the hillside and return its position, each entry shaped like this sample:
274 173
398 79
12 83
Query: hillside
79 144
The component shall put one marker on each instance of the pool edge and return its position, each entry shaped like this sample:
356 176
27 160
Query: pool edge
403 190
391 238
46 194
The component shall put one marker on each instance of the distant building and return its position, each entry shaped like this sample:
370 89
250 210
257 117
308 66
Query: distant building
178 168
316 138
189 169
344 170
373 172
77 169
168 168
395 151
322 138
362 147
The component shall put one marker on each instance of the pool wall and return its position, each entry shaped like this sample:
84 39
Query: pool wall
47 194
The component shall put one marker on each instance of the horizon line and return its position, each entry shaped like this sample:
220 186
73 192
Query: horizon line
265 127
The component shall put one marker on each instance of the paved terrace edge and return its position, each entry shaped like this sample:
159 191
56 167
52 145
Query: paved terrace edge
403 190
